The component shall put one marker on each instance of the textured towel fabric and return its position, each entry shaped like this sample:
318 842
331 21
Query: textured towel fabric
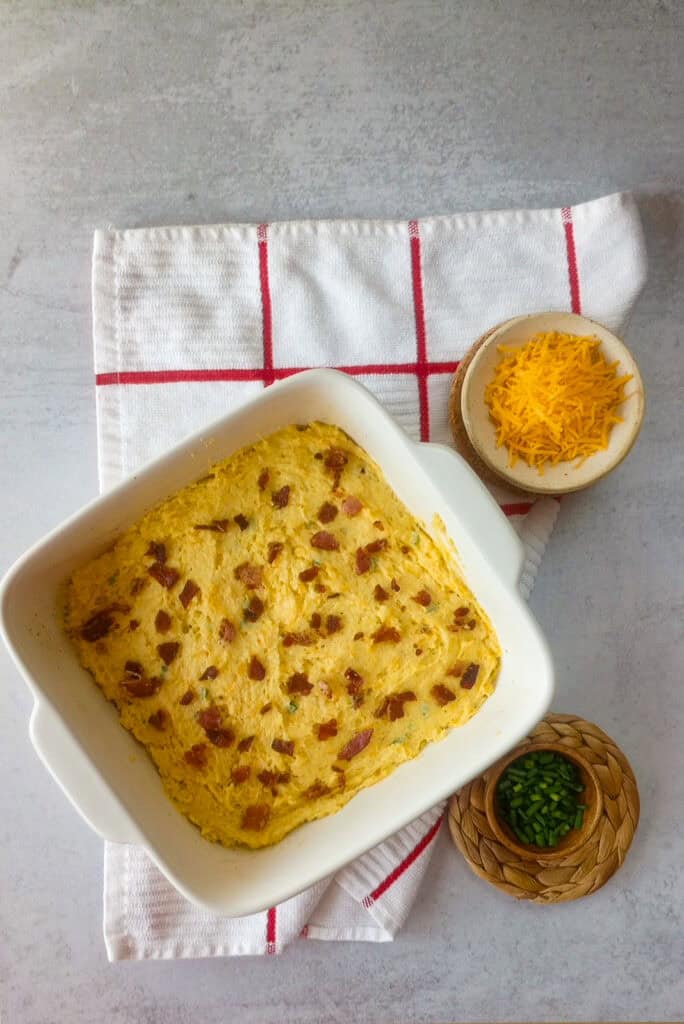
191 321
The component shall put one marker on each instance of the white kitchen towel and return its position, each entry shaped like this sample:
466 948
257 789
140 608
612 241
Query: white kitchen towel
189 322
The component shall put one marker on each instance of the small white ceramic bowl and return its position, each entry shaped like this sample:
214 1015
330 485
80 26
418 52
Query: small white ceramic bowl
566 476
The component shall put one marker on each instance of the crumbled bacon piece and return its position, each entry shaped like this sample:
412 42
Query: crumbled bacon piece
380 594
215 526
359 636
133 670
141 687
351 506
209 718
196 755
442 694
327 512
256 817
241 521
376 546
157 551
386 634
189 591
320 588
101 623
209 673
227 631
355 745
335 460
355 687
393 705
307 575
269 778
133 625
168 651
325 690
138 584
461 612
333 624
418 651
245 744
266 708
395 586
220 737
240 773
281 498
378 525
164 575
299 683
250 575
457 669
469 677
423 598
254 609
325 541
315 621
264 477
316 790
326 730
353 676
405 549
187 697
274 549
256 670
162 621
297 639
363 561
158 719
283 747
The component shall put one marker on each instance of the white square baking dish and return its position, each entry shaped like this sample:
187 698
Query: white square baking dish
109 777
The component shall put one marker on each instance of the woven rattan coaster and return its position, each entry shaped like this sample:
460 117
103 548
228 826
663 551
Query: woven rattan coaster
583 870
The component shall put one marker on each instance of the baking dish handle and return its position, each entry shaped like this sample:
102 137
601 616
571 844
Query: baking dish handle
75 776
481 512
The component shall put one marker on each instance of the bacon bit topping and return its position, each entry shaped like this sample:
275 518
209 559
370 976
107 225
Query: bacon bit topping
227 631
330 597
215 526
187 698
101 623
375 546
297 639
461 612
299 683
386 634
254 609
266 708
423 598
327 512
244 745
355 745
283 747
395 586
393 705
315 621
197 755
157 551
318 455
469 677
405 549
158 719
320 588
354 686
241 521
457 669
326 730
333 624
363 561
268 778
133 625
256 670
442 694
141 687
307 575
264 477
315 791
168 651
351 506
378 525
419 651
220 737
335 458
240 773
164 575
255 818
162 621
359 636
380 594
274 549
325 690
189 591
325 541
133 670
250 575
209 718
209 673
353 676
138 584
281 498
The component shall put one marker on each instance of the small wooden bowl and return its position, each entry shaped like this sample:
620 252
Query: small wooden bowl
576 837
566 476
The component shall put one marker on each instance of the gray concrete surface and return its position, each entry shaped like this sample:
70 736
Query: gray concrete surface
148 113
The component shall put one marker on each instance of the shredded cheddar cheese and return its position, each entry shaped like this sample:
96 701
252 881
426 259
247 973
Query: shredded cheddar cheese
554 399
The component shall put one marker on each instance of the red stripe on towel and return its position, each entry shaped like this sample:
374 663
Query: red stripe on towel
404 866
573 273
262 238
275 373
421 337
271 931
